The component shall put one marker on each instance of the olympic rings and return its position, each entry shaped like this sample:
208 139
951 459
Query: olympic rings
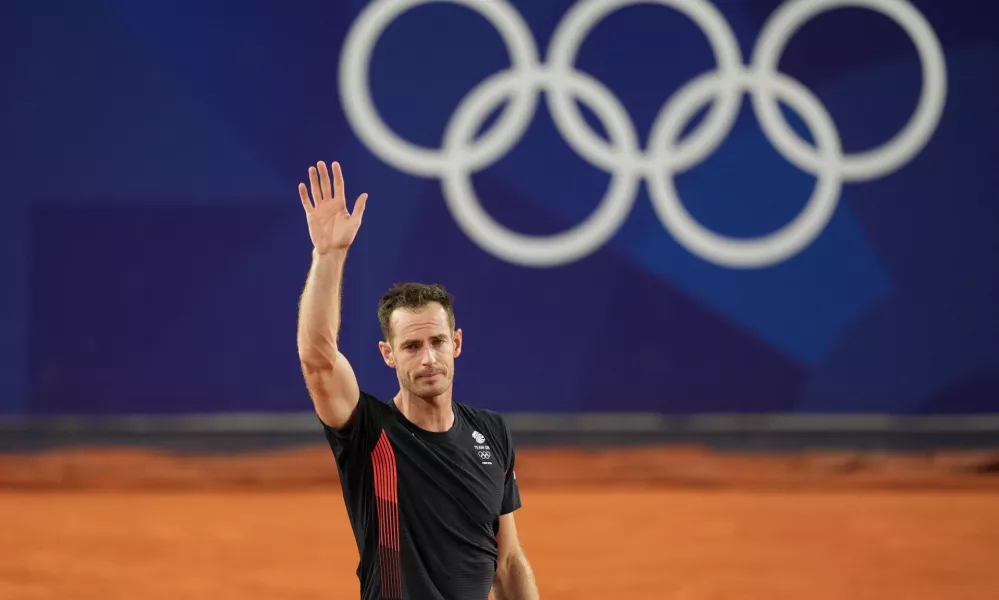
461 155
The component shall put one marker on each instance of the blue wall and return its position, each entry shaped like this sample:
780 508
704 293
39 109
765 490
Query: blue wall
154 246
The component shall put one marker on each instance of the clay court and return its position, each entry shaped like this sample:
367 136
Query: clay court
650 524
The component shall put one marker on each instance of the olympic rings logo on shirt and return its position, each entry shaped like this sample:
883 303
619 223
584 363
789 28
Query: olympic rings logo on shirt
665 156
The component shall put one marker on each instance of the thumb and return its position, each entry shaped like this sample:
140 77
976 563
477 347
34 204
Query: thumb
359 205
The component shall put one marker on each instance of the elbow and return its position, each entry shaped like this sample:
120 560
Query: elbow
316 356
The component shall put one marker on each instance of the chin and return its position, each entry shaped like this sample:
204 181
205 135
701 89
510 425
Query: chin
431 391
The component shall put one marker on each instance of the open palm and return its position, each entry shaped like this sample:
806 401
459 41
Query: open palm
331 226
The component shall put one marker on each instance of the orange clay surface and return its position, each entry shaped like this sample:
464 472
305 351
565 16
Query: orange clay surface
585 543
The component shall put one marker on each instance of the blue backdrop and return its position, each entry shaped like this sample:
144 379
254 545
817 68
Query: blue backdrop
153 245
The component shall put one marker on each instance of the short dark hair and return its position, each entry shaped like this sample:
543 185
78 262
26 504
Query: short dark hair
412 296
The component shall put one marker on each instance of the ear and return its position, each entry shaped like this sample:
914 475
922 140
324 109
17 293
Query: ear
386 351
457 342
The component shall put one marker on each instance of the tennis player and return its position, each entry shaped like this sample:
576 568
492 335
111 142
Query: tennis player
429 483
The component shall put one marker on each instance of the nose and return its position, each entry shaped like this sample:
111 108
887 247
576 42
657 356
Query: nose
428 358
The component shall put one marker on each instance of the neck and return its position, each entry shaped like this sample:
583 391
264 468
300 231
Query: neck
429 414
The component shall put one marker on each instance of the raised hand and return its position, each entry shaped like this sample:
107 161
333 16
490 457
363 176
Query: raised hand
331 227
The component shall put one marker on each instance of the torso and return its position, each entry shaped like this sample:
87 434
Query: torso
425 506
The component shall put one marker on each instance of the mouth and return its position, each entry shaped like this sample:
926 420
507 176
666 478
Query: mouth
428 375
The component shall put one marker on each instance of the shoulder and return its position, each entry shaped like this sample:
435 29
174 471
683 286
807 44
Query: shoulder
367 405
364 424
373 409
375 403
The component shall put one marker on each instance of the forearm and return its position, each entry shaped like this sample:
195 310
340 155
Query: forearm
515 580
319 309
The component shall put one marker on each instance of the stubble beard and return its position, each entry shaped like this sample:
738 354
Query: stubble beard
429 393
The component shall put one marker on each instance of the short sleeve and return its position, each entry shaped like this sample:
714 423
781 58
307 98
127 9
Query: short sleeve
511 492
361 432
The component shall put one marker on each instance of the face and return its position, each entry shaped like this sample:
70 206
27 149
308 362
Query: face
422 350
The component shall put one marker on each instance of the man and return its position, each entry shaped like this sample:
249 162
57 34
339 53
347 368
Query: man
428 483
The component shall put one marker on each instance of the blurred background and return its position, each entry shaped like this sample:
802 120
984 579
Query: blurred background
698 250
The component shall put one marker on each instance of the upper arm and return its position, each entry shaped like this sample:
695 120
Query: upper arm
507 539
333 388
511 491
508 542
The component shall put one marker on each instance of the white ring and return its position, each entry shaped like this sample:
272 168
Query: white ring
517 248
355 93
773 247
561 57
883 159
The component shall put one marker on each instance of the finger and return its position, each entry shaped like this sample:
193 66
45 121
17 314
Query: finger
303 193
324 180
317 194
338 182
359 205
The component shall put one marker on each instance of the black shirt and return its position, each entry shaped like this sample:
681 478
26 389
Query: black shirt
425 506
